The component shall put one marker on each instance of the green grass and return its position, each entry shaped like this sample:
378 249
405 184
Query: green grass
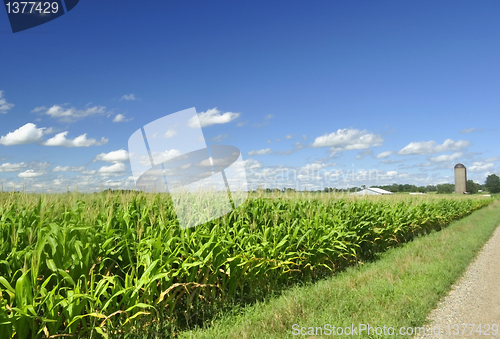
399 289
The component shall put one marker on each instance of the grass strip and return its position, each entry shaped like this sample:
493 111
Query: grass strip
399 289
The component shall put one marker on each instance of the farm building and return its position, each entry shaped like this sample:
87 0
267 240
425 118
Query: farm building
372 191
460 179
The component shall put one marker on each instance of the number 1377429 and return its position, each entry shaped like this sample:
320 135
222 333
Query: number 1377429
32 7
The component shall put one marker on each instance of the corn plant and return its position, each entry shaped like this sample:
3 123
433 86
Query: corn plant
103 265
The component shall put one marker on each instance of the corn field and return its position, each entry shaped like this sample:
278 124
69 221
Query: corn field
107 264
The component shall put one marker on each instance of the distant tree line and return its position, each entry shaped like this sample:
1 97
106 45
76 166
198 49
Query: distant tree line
407 188
492 185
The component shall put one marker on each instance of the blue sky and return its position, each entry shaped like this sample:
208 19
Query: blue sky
314 94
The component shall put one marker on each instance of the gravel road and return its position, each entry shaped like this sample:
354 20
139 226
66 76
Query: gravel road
474 299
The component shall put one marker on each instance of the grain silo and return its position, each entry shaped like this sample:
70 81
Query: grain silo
460 179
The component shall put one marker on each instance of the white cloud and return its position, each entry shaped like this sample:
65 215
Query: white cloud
260 151
217 162
80 141
363 154
26 134
159 157
446 157
8 167
211 117
4 105
118 167
120 118
308 171
392 173
168 134
29 174
129 97
348 139
296 147
384 154
288 136
72 114
480 167
428 147
113 157
49 130
38 109
468 130
313 166
68 168
269 116
392 161
493 159
219 138
252 164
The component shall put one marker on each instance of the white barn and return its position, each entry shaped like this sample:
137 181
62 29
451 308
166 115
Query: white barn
373 191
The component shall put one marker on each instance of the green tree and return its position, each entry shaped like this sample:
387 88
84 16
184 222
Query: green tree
431 188
492 183
471 187
445 188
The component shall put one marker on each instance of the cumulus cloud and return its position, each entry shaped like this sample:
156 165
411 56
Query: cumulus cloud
429 147
260 151
392 173
113 157
392 161
68 168
219 138
26 134
313 167
384 154
120 118
493 159
49 130
4 105
211 117
469 130
480 167
29 174
363 154
168 134
288 136
348 139
129 97
446 157
159 157
252 164
8 167
116 168
38 109
71 113
80 141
